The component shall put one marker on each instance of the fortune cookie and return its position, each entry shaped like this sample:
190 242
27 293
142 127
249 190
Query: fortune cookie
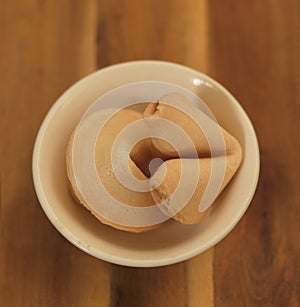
92 176
226 157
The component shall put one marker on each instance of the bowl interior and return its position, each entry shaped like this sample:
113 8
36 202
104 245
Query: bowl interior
168 244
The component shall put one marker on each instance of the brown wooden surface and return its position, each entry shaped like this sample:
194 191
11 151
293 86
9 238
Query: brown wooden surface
252 47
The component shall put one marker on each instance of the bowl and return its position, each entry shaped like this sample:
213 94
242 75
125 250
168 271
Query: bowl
173 242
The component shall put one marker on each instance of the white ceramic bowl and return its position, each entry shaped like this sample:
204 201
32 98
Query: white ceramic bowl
168 244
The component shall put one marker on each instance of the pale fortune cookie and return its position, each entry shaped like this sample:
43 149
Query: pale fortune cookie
82 137
186 208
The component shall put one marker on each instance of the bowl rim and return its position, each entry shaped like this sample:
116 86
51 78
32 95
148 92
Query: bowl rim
120 260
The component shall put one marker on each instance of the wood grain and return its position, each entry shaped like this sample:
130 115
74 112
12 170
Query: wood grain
258 264
252 48
45 47
174 31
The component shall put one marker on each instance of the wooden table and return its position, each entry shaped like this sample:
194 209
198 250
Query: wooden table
252 47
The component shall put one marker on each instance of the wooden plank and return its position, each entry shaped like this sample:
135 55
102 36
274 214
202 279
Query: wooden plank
199 280
171 30
254 50
45 47
183 284
134 30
